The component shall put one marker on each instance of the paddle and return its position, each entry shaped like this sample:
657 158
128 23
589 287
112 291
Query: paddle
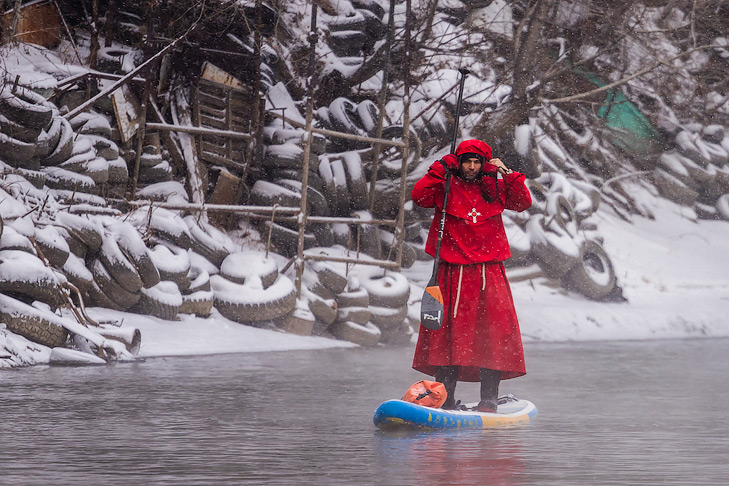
431 306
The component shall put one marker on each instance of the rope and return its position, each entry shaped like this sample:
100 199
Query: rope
458 291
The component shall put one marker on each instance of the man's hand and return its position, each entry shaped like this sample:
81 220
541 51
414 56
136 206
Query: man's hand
500 166
437 167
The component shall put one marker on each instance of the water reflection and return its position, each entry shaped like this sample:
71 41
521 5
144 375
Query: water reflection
462 457
609 413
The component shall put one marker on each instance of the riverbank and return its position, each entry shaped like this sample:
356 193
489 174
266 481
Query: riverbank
673 271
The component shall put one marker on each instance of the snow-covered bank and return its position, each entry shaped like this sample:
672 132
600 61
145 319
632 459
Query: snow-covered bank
674 271
212 335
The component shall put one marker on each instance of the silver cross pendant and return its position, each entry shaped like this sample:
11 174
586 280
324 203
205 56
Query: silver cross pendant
473 214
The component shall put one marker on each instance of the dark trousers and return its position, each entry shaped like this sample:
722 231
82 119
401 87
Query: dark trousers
490 379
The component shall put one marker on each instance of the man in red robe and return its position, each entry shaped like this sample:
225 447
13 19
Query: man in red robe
480 338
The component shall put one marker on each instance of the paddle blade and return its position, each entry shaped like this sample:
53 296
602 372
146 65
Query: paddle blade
431 308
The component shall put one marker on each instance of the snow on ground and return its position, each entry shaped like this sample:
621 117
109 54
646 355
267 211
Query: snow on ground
213 335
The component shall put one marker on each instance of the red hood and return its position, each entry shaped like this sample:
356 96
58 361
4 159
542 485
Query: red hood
474 146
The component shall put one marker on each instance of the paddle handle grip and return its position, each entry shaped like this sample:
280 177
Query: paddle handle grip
464 72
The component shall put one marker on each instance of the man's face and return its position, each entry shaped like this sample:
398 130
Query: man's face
471 168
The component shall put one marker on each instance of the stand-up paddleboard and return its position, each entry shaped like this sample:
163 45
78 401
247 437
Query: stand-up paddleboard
400 414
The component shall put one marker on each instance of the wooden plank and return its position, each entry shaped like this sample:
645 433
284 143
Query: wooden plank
215 123
220 150
198 130
214 159
210 100
219 141
212 207
225 188
212 112
212 73
126 111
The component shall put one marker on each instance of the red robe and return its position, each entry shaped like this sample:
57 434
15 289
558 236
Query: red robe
480 328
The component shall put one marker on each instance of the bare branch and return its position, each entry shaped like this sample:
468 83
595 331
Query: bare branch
622 81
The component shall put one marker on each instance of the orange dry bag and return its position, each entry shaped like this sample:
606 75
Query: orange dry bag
426 393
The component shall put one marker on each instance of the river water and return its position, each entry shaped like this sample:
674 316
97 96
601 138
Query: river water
631 413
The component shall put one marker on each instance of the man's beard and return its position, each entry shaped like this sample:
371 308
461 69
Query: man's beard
462 175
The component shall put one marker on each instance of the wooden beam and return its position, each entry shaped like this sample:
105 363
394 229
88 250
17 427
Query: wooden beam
332 133
379 263
198 130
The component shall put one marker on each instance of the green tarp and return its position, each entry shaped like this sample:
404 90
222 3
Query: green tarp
631 130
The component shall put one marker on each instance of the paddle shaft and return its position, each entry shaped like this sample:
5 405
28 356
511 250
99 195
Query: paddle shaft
434 277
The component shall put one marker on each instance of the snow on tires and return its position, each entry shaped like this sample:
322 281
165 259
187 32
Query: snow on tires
385 288
250 303
243 266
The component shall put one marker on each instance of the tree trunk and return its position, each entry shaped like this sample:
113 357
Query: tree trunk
501 123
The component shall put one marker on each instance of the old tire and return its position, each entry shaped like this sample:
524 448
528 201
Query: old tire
163 300
134 248
353 298
26 275
208 241
594 276
325 310
118 265
555 251
365 335
358 315
39 326
172 263
241 267
385 288
388 317
112 289
244 304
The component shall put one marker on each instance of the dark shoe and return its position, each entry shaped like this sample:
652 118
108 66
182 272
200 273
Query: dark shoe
457 405
448 404
486 406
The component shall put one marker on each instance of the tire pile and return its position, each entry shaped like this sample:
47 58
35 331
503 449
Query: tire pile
366 306
696 172
339 184
353 35
58 231
557 234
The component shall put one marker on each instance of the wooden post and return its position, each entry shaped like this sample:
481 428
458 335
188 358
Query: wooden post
143 115
307 150
140 139
109 22
257 118
400 229
381 100
10 34
94 48
229 122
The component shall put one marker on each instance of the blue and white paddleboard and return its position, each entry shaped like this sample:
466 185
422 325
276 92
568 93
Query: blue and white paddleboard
400 414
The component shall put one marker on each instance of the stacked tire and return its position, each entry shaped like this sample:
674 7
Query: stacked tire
250 290
696 172
364 306
557 236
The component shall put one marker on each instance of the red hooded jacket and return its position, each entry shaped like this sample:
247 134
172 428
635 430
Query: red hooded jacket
474 231
480 327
